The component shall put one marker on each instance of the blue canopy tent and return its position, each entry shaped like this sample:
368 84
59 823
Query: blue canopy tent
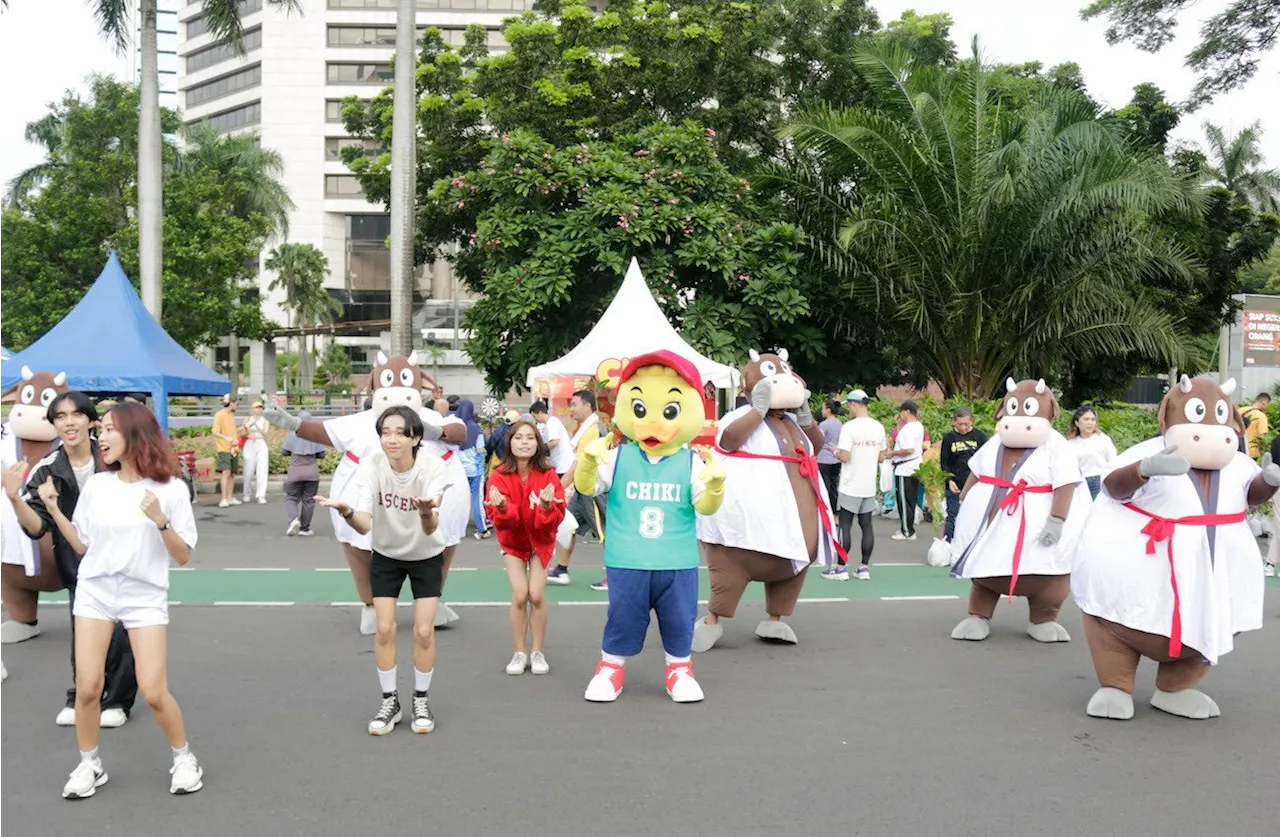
110 343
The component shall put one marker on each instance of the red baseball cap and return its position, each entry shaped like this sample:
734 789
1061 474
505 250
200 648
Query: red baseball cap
682 367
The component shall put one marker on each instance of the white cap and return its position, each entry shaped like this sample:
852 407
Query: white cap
859 396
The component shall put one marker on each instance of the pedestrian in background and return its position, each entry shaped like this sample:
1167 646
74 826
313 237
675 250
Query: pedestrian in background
302 481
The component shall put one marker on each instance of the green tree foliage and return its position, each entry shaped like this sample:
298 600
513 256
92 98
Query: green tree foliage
67 218
1232 42
1010 244
300 272
1236 162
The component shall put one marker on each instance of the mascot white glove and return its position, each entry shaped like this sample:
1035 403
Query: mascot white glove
804 416
1163 464
1052 532
762 397
278 417
1270 471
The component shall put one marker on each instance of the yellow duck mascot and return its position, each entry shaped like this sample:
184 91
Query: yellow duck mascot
657 486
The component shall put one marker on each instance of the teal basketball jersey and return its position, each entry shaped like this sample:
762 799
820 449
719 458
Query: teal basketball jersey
651 523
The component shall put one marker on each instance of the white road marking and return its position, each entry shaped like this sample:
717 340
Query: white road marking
255 569
582 603
255 604
915 598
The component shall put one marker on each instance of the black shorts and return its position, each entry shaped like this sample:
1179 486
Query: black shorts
387 575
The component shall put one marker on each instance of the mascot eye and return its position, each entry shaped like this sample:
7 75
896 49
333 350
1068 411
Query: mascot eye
1195 411
1031 406
28 394
1011 407
1222 412
671 412
767 369
406 377
386 378
47 396
638 409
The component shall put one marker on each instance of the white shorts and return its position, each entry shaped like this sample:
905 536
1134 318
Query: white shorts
119 598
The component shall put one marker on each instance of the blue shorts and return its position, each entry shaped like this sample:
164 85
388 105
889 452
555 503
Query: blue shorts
672 594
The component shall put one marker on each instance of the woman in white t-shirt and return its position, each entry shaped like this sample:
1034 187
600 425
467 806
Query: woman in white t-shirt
1093 448
256 457
132 519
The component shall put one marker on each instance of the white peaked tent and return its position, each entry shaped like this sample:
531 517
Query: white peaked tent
632 325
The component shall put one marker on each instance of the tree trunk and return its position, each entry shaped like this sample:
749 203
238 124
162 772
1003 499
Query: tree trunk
149 162
403 169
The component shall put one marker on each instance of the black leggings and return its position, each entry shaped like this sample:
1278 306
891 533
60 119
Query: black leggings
868 534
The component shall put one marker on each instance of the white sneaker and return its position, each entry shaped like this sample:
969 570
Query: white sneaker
295 526
66 717
388 716
11 632
187 775
519 661
538 663
262 501
1269 570
222 504
85 780
4 673
898 536
235 502
110 718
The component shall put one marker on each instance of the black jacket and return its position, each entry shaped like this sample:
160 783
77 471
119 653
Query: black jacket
57 465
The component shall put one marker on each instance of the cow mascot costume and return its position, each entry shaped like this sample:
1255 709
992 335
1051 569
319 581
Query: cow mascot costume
775 519
28 568
657 487
395 381
1168 569
1021 515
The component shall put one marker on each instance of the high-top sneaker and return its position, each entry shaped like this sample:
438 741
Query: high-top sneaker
388 715
423 721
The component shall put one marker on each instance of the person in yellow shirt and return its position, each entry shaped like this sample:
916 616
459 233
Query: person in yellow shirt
1257 425
586 510
226 444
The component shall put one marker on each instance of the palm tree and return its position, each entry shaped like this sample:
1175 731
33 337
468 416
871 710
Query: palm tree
115 21
205 147
404 131
300 271
47 132
1000 242
1236 163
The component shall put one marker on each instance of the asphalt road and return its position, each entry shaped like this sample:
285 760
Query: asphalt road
876 724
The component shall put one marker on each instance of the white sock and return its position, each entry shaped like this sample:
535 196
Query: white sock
422 680
613 659
387 679
671 659
90 755
184 750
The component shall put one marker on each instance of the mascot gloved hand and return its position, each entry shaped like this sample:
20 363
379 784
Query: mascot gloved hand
657 487
279 418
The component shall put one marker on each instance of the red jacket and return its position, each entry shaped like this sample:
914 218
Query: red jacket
524 531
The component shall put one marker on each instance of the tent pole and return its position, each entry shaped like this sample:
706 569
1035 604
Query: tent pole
160 406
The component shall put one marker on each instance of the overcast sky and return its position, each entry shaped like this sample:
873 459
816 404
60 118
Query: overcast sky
48 46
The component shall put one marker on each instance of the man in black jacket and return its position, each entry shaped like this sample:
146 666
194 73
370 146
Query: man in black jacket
958 447
68 468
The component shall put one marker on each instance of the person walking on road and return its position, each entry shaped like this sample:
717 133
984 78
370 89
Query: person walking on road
828 462
226 444
302 480
399 507
131 521
859 448
526 505
256 456
958 447
1093 448
906 455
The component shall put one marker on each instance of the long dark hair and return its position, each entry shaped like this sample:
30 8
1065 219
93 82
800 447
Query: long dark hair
145 446
541 459
1073 430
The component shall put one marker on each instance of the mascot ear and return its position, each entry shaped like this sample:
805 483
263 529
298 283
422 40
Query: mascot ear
27 374
751 353
60 379
1237 419
1229 387
782 353
380 359
1184 384
1166 410
1010 384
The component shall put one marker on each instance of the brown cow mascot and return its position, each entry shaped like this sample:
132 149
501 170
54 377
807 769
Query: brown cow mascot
1168 569
28 568
1020 516
395 380
775 519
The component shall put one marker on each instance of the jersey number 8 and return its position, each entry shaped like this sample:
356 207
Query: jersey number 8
651 522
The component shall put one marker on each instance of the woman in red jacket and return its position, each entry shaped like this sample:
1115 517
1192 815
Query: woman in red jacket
526 506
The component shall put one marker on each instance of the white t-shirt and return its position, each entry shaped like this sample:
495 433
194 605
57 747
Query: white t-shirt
561 454
910 437
864 438
1093 453
120 539
385 494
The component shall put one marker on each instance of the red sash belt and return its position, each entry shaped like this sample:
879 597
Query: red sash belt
356 459
1161 529
810 471
1013 502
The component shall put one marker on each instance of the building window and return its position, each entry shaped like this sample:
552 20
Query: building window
333 147
359 73
342 186
356 36
229 120
198 25
216 54
224 86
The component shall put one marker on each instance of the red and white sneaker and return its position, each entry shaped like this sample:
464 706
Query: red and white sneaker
681 685
606 685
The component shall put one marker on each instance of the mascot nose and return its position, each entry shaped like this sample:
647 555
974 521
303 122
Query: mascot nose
1195 438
